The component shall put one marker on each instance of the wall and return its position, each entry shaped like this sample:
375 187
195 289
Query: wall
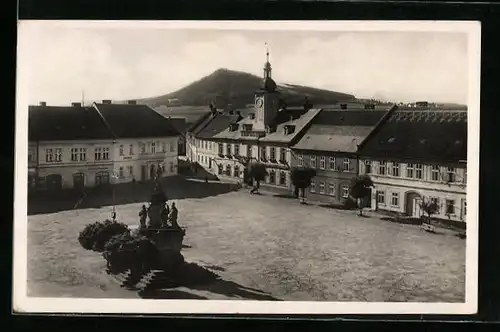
165 155
408 189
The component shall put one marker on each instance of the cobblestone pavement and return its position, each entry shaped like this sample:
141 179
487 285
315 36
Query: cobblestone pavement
292 251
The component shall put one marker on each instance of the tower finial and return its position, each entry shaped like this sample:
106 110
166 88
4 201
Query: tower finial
267 52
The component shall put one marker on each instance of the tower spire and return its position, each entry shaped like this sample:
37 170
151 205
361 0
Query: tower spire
267 52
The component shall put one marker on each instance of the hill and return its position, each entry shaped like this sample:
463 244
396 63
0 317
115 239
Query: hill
238 88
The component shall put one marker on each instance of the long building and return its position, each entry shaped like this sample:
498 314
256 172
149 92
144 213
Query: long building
77 147
330 146
418 154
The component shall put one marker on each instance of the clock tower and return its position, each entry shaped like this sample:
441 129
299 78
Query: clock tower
266 99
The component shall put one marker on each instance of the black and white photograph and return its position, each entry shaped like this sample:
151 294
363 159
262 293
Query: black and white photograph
264 167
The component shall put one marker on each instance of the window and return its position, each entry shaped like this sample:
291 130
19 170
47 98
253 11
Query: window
380 197
163 147
331 189
49 155
228 149
273 153
345 191
395 199
282 178
465 175
313 161
74 154
435 200
105 154
435 173
120 172
322 187
131 149
236 149
249 151
97 153
347 164
83 154
418 171
31 155
221 149
410 169
272 176
219 169
121 151
464 209
58 156
131 170
395 169
382 167
450 174
172 147
313 187
228 170
331 163
450 206
143 147
322 162
263 153
171 165
236 171
300 160
368 166
153 147
283 155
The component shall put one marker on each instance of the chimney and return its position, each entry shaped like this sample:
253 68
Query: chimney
106 101
43 103
132 102
76 104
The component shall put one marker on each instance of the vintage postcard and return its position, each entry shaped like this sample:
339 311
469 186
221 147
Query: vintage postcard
264 167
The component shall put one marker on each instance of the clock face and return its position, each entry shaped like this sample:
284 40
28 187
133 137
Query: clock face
259 102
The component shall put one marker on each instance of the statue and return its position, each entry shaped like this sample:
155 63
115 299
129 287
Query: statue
173 217
143 214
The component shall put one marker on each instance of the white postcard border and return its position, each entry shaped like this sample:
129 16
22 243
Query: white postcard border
23 303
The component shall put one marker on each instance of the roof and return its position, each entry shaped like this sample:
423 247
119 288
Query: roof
297 117
179 124
216 124
58 123
339 130
133 121
425 135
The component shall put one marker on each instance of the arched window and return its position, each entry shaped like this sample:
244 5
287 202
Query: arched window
228 170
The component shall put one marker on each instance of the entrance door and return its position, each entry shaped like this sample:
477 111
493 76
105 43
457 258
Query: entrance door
413 208
152 172
143 172
54 182
368 199
101 178
78 181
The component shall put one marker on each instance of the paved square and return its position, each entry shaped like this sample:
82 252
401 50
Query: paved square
276 245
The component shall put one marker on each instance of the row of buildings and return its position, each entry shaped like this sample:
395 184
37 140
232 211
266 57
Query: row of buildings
77 146
411 153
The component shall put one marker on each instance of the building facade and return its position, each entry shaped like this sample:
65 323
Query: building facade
416 156
329 146
78 147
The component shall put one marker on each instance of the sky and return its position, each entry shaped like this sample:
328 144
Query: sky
57 62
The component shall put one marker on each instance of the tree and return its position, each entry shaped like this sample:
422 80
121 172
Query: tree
301 179
94 236
361 190
256 172
430 207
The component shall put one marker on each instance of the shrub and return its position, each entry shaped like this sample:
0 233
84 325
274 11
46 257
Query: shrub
95 236
123 252
349 204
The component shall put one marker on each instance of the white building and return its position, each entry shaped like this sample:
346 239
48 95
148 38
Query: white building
416 155
76 147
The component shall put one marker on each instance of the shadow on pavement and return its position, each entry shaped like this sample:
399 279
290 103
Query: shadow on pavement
232 289
177 187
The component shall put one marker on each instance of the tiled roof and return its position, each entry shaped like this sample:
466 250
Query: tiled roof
216 124
292 116
339 131
432 136
131 121
56 123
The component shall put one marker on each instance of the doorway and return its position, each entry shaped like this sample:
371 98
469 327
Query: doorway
143 172
54 182
102 178
413 208
78 181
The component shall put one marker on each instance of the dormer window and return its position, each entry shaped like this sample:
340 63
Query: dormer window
252 116
233 127
247 127
270 129
289 129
